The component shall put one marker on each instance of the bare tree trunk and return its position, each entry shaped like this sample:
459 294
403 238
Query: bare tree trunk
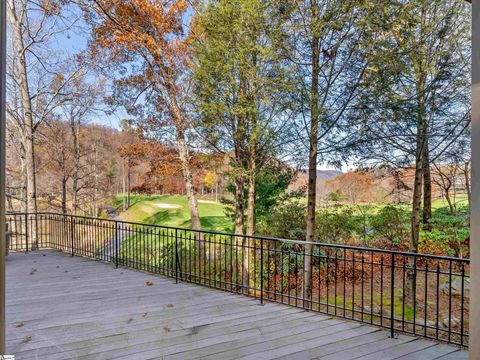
76 165
239 203
95 190
416 202
417 186
188 178
449 201
129 184
239 217
251 205
312 162
427 187
248 241
28 122
64 194
467 184
123 186
23 193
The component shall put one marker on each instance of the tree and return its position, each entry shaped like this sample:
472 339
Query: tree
35 91
324 47
150 36
417 102
60 156
241 82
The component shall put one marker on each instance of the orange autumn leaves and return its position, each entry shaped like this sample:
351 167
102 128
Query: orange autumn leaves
153 29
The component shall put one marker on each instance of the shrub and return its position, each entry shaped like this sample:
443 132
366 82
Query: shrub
392 223
286 220
449 234
336 225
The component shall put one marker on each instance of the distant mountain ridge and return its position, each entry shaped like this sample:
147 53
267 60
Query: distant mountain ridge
301 180
328 174
322 174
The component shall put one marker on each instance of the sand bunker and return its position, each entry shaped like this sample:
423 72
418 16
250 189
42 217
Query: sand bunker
207 201
167 206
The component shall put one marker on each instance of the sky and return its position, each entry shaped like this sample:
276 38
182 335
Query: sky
76 42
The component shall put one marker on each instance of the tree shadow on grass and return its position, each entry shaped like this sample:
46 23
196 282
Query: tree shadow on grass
217 223
162 217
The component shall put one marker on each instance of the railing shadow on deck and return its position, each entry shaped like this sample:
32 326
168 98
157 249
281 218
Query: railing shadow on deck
418 294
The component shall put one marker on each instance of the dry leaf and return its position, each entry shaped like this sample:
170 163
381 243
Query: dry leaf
26 339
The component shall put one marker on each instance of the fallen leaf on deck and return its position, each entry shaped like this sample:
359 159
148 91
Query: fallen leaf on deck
26 339
149 283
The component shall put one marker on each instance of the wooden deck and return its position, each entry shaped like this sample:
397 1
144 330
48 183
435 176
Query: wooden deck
59 307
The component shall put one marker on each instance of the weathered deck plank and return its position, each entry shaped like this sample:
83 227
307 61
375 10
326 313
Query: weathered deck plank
59 307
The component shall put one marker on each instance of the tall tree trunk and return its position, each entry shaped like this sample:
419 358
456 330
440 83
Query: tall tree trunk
427 185
416 204
410 288
239 204
449 200
251 204
123 186
312 160
417 185
248 241
466 171
188 178
64 195
129 184
28 122
23 191
95 189
74 127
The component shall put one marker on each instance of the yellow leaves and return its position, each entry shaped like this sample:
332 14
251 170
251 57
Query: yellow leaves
210 179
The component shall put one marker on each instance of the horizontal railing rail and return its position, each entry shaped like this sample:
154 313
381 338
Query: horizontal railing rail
418 294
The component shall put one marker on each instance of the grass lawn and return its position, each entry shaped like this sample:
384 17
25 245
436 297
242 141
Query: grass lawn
460 200
173 211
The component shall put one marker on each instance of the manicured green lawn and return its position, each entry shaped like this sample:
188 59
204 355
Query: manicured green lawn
174 211
460 199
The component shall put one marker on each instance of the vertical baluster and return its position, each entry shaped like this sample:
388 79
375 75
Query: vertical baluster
261 271
392 297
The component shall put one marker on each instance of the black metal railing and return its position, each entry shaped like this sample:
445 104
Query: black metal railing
417 294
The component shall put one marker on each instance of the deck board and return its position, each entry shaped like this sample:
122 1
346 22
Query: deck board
63 307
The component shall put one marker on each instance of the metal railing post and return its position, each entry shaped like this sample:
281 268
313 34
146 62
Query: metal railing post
72 230
176 256
116 244
261 271
26 232
392 298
